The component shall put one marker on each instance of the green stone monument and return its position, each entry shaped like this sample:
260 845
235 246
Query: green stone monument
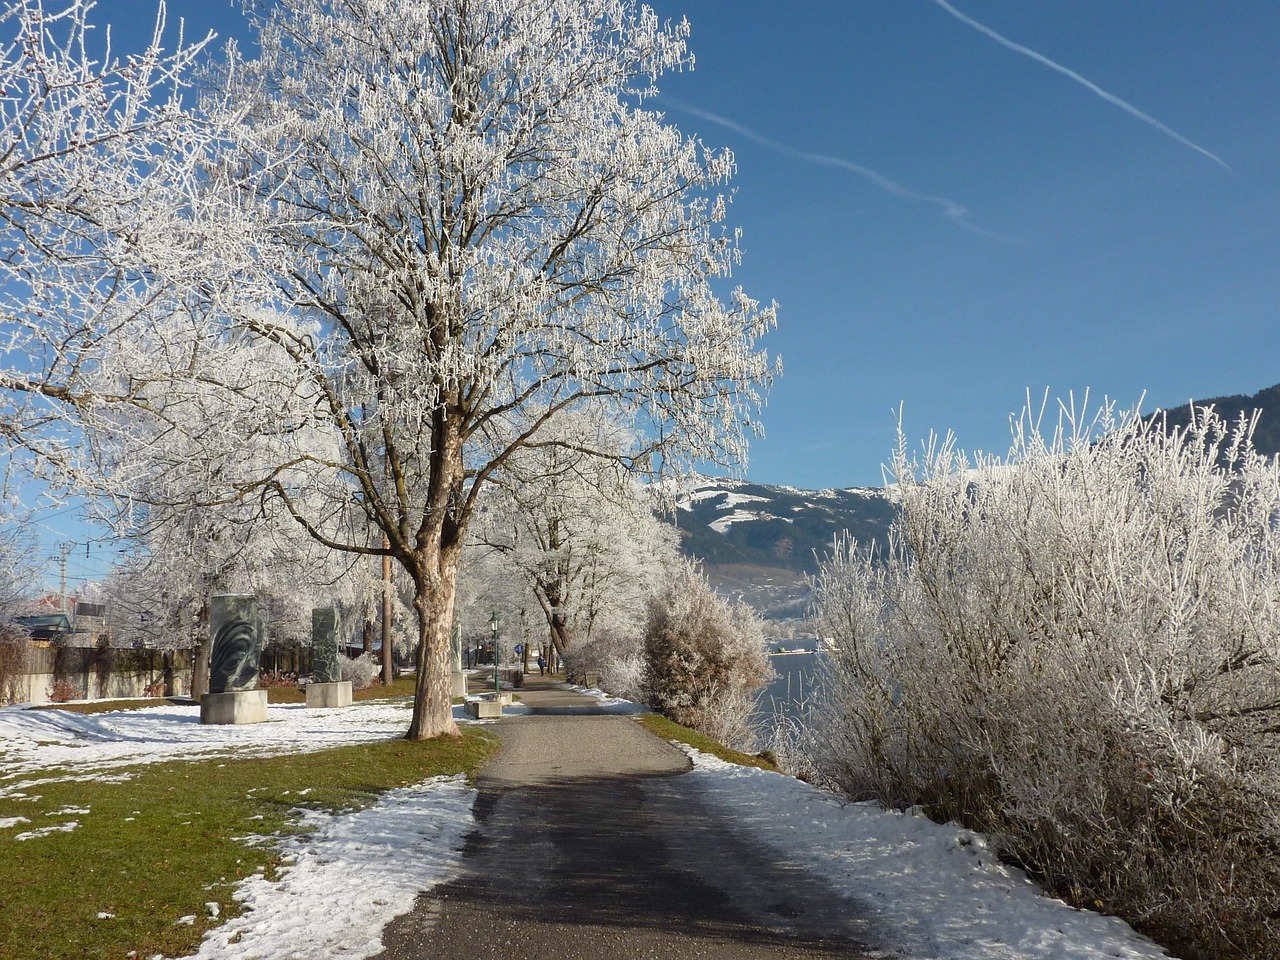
327 688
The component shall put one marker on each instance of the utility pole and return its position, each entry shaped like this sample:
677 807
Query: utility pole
62 579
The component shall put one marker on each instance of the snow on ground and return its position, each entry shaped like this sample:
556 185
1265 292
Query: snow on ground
88 747
938 888
409 841
722 524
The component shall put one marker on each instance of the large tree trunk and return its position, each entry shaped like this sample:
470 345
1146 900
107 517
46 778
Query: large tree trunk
433 600
433 565
561 634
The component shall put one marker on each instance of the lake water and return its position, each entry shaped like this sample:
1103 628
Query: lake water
796 684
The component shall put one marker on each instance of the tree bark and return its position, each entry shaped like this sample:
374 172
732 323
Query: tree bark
561 635
387 676
433 600
204 653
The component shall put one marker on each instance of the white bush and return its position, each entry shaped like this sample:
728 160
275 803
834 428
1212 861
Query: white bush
617 661
705 660
359 670
1076 650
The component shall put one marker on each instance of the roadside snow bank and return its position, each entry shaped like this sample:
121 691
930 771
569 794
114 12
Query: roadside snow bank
938 887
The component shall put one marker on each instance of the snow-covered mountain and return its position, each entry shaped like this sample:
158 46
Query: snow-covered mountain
758 541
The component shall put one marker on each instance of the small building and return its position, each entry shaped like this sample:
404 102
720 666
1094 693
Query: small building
46 626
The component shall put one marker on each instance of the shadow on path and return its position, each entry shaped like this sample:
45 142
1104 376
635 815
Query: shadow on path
589 844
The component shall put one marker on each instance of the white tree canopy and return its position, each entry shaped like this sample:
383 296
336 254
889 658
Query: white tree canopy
452 221
577 530
402 242
86 142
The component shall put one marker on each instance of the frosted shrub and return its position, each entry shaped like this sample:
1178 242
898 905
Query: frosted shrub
617 661
624 676
359 670
1075 650
705 659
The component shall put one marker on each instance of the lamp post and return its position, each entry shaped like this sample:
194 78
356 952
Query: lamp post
493 632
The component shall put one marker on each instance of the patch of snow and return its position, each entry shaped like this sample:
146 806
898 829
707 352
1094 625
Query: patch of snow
722 524
738 499
67 827
95 747
939 888
407 842
7 822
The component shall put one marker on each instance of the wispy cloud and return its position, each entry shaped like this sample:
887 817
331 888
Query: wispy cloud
1087 84
954 211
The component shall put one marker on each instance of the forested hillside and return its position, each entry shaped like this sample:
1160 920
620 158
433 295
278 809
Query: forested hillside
1266 437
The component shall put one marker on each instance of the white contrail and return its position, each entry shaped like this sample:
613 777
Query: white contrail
956 212
1087 84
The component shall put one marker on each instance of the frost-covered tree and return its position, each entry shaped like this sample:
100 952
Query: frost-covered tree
1077 649
87 141
575 528
456 220
18 574
160 594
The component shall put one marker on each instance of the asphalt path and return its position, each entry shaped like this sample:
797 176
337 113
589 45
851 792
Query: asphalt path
590 844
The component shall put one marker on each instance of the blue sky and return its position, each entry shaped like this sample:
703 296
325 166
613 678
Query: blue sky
1098 248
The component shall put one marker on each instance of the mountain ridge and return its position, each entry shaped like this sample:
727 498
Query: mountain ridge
761 542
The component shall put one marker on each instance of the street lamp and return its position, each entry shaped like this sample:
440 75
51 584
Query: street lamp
493 632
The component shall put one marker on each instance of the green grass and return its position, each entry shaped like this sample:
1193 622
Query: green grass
162 844
670 730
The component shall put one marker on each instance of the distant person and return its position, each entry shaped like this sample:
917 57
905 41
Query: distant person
542 665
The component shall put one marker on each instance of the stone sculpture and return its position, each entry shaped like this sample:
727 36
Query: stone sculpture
238 639
324 646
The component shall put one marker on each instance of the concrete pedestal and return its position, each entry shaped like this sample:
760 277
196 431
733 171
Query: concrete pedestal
457 684
484 709
336 694
237 706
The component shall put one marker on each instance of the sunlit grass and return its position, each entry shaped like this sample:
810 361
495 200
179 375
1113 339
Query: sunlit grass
162 844
670 730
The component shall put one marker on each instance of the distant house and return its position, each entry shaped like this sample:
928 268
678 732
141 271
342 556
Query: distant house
70 621
46 626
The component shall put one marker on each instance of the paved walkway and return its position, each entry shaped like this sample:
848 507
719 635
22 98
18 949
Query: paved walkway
589 844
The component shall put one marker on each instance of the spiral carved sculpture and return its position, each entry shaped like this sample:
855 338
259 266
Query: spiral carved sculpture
237 644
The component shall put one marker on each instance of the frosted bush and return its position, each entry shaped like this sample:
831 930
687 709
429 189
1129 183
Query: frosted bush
705 659
616 660
1076 651
624 676
359 670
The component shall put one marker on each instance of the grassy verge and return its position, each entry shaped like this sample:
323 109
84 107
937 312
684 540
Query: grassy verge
670 730
159 846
